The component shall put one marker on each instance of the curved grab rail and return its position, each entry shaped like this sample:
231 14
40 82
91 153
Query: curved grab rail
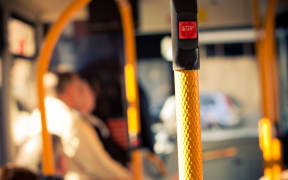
130 79
131 86
42 67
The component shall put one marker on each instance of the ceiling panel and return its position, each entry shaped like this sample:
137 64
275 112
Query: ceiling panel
155 14
48 10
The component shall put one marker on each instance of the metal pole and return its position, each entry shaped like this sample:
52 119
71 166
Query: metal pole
266 53
5 125
186 65
42 67
131 86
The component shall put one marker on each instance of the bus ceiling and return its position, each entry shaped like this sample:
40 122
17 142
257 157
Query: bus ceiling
153 16
42 11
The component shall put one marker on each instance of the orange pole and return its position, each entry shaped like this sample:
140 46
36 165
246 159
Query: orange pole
186 65
42 67
267 58
131 86
266 53
269 50
188 124
271 45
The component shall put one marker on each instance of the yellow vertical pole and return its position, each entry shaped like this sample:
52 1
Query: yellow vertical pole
266 52
265 49
188 124
276 156
42 67
271 57
133 113
186 65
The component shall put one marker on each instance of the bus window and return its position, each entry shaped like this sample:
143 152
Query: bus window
22 38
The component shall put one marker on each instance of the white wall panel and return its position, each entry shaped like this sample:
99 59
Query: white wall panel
155 14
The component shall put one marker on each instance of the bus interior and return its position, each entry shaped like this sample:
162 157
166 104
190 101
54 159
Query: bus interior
241 90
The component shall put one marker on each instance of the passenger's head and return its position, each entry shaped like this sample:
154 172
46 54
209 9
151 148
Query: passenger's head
64 81
68 89
88 98
17 173
75 92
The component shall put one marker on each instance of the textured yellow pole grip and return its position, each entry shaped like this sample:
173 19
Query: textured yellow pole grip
188 125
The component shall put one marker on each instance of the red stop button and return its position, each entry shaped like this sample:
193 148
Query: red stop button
187 30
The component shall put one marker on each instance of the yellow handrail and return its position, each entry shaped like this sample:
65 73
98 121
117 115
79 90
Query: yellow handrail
266 53
130 79
42 67
186 65
265 49
188 124
269 54
131 86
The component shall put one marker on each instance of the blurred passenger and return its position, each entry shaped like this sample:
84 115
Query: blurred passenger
88 104
19 117
30 155
110 107
86 155
17 173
